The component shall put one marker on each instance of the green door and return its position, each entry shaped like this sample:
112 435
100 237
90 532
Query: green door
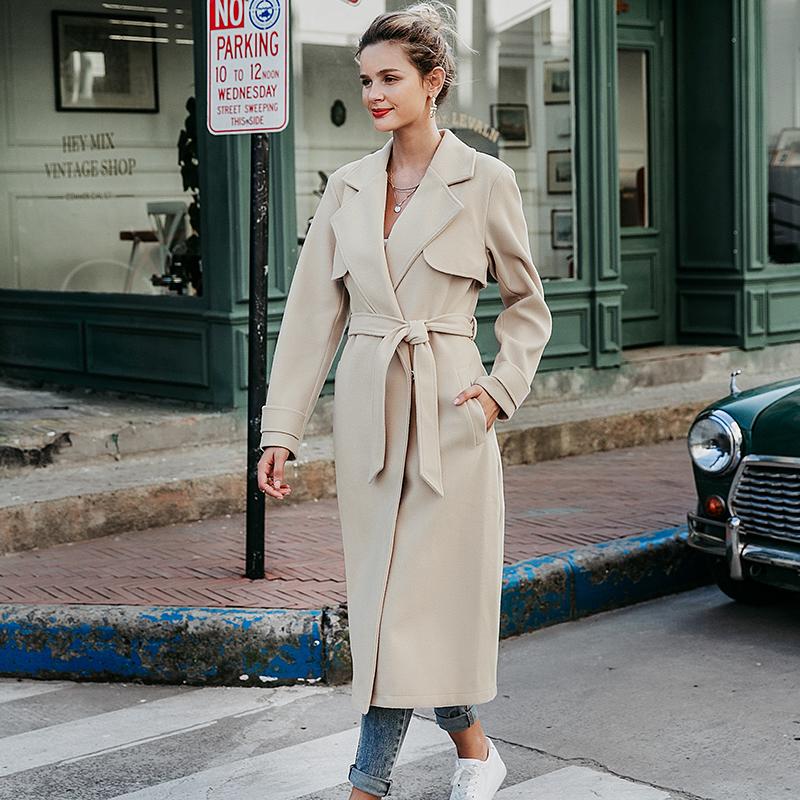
645 115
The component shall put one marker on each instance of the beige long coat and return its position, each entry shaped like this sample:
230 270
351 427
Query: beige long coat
419 479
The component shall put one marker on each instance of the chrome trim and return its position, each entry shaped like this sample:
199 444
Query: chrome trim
757 552
748 552
716 523
771 555
779 461
732 387
734 431
702 540
733 548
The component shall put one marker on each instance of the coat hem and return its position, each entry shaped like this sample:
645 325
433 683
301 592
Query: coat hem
437 699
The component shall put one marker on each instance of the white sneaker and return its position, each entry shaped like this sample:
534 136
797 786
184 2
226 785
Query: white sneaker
475 779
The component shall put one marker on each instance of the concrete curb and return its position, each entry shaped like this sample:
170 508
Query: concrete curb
258 647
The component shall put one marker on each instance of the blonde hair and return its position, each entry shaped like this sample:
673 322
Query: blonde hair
425 31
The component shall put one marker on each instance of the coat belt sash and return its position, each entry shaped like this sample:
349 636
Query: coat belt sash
393 330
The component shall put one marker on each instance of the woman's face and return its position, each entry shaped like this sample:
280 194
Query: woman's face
391 85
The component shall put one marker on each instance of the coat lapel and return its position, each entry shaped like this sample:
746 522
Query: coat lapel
358 222
433 206
358 227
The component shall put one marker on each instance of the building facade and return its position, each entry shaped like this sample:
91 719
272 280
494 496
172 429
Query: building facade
656 144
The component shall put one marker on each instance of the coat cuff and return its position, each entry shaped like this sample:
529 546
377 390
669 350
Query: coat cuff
278 439
282 427
507 386
498 393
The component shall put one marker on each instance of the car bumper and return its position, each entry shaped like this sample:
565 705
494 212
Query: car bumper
726 539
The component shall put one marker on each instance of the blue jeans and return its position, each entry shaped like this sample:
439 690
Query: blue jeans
382 733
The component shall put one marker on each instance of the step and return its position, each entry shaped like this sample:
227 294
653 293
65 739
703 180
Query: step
67 502
40 426
43 426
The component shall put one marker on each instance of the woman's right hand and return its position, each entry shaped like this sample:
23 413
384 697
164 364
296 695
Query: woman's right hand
270 472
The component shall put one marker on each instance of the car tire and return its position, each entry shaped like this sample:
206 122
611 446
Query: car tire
746 591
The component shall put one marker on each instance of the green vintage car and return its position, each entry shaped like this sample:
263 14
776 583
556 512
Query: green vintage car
745 451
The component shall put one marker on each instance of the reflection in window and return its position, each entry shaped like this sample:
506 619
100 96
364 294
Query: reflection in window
99 171
782 128
633 139
513 100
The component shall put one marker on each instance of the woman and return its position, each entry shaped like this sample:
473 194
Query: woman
399 248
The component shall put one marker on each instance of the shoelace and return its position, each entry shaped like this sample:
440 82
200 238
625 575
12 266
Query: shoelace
467 778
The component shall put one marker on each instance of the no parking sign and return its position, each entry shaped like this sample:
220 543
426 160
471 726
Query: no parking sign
248 66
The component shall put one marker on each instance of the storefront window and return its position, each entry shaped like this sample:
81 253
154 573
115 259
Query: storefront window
513 99
782 121
633 139
95 99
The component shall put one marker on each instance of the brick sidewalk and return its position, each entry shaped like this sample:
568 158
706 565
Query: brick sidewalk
550 506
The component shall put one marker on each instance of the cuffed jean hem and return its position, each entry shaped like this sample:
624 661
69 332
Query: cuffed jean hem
368 783
460 722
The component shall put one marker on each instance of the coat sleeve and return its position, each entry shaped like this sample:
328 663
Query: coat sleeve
314 318
524 326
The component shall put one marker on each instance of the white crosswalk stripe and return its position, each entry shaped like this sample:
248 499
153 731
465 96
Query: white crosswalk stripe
579 783
291 771
113 730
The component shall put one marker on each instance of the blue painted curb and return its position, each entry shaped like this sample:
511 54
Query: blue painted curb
161 644
270 647
573 583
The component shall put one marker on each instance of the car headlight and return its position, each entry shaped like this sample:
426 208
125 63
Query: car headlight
715 442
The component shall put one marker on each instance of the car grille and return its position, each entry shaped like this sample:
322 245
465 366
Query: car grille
766 497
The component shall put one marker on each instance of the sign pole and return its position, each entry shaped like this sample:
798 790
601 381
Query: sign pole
247 93
257 349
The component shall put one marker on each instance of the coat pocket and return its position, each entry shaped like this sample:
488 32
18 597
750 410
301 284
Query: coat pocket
473 407
466 259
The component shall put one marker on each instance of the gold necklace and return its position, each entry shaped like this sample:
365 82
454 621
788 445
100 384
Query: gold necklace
398 205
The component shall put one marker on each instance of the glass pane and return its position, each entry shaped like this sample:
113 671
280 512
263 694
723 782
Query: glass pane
633 138
512 99
782 127
92 194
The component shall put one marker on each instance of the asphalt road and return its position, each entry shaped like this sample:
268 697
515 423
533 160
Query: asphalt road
688 696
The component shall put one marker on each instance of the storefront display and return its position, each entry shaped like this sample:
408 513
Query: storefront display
512 99
782 127
91 191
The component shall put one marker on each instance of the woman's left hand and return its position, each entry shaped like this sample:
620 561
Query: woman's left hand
490 407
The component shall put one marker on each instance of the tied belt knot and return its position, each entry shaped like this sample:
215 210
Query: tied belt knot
391 331
417 332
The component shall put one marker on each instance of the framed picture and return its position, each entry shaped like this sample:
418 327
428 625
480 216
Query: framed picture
102 64
787 149
511 119
556 81
559 171
561 228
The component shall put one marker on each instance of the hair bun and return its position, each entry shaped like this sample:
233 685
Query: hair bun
438 15
431 16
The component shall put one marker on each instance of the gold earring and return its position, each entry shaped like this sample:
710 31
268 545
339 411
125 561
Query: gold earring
433 106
